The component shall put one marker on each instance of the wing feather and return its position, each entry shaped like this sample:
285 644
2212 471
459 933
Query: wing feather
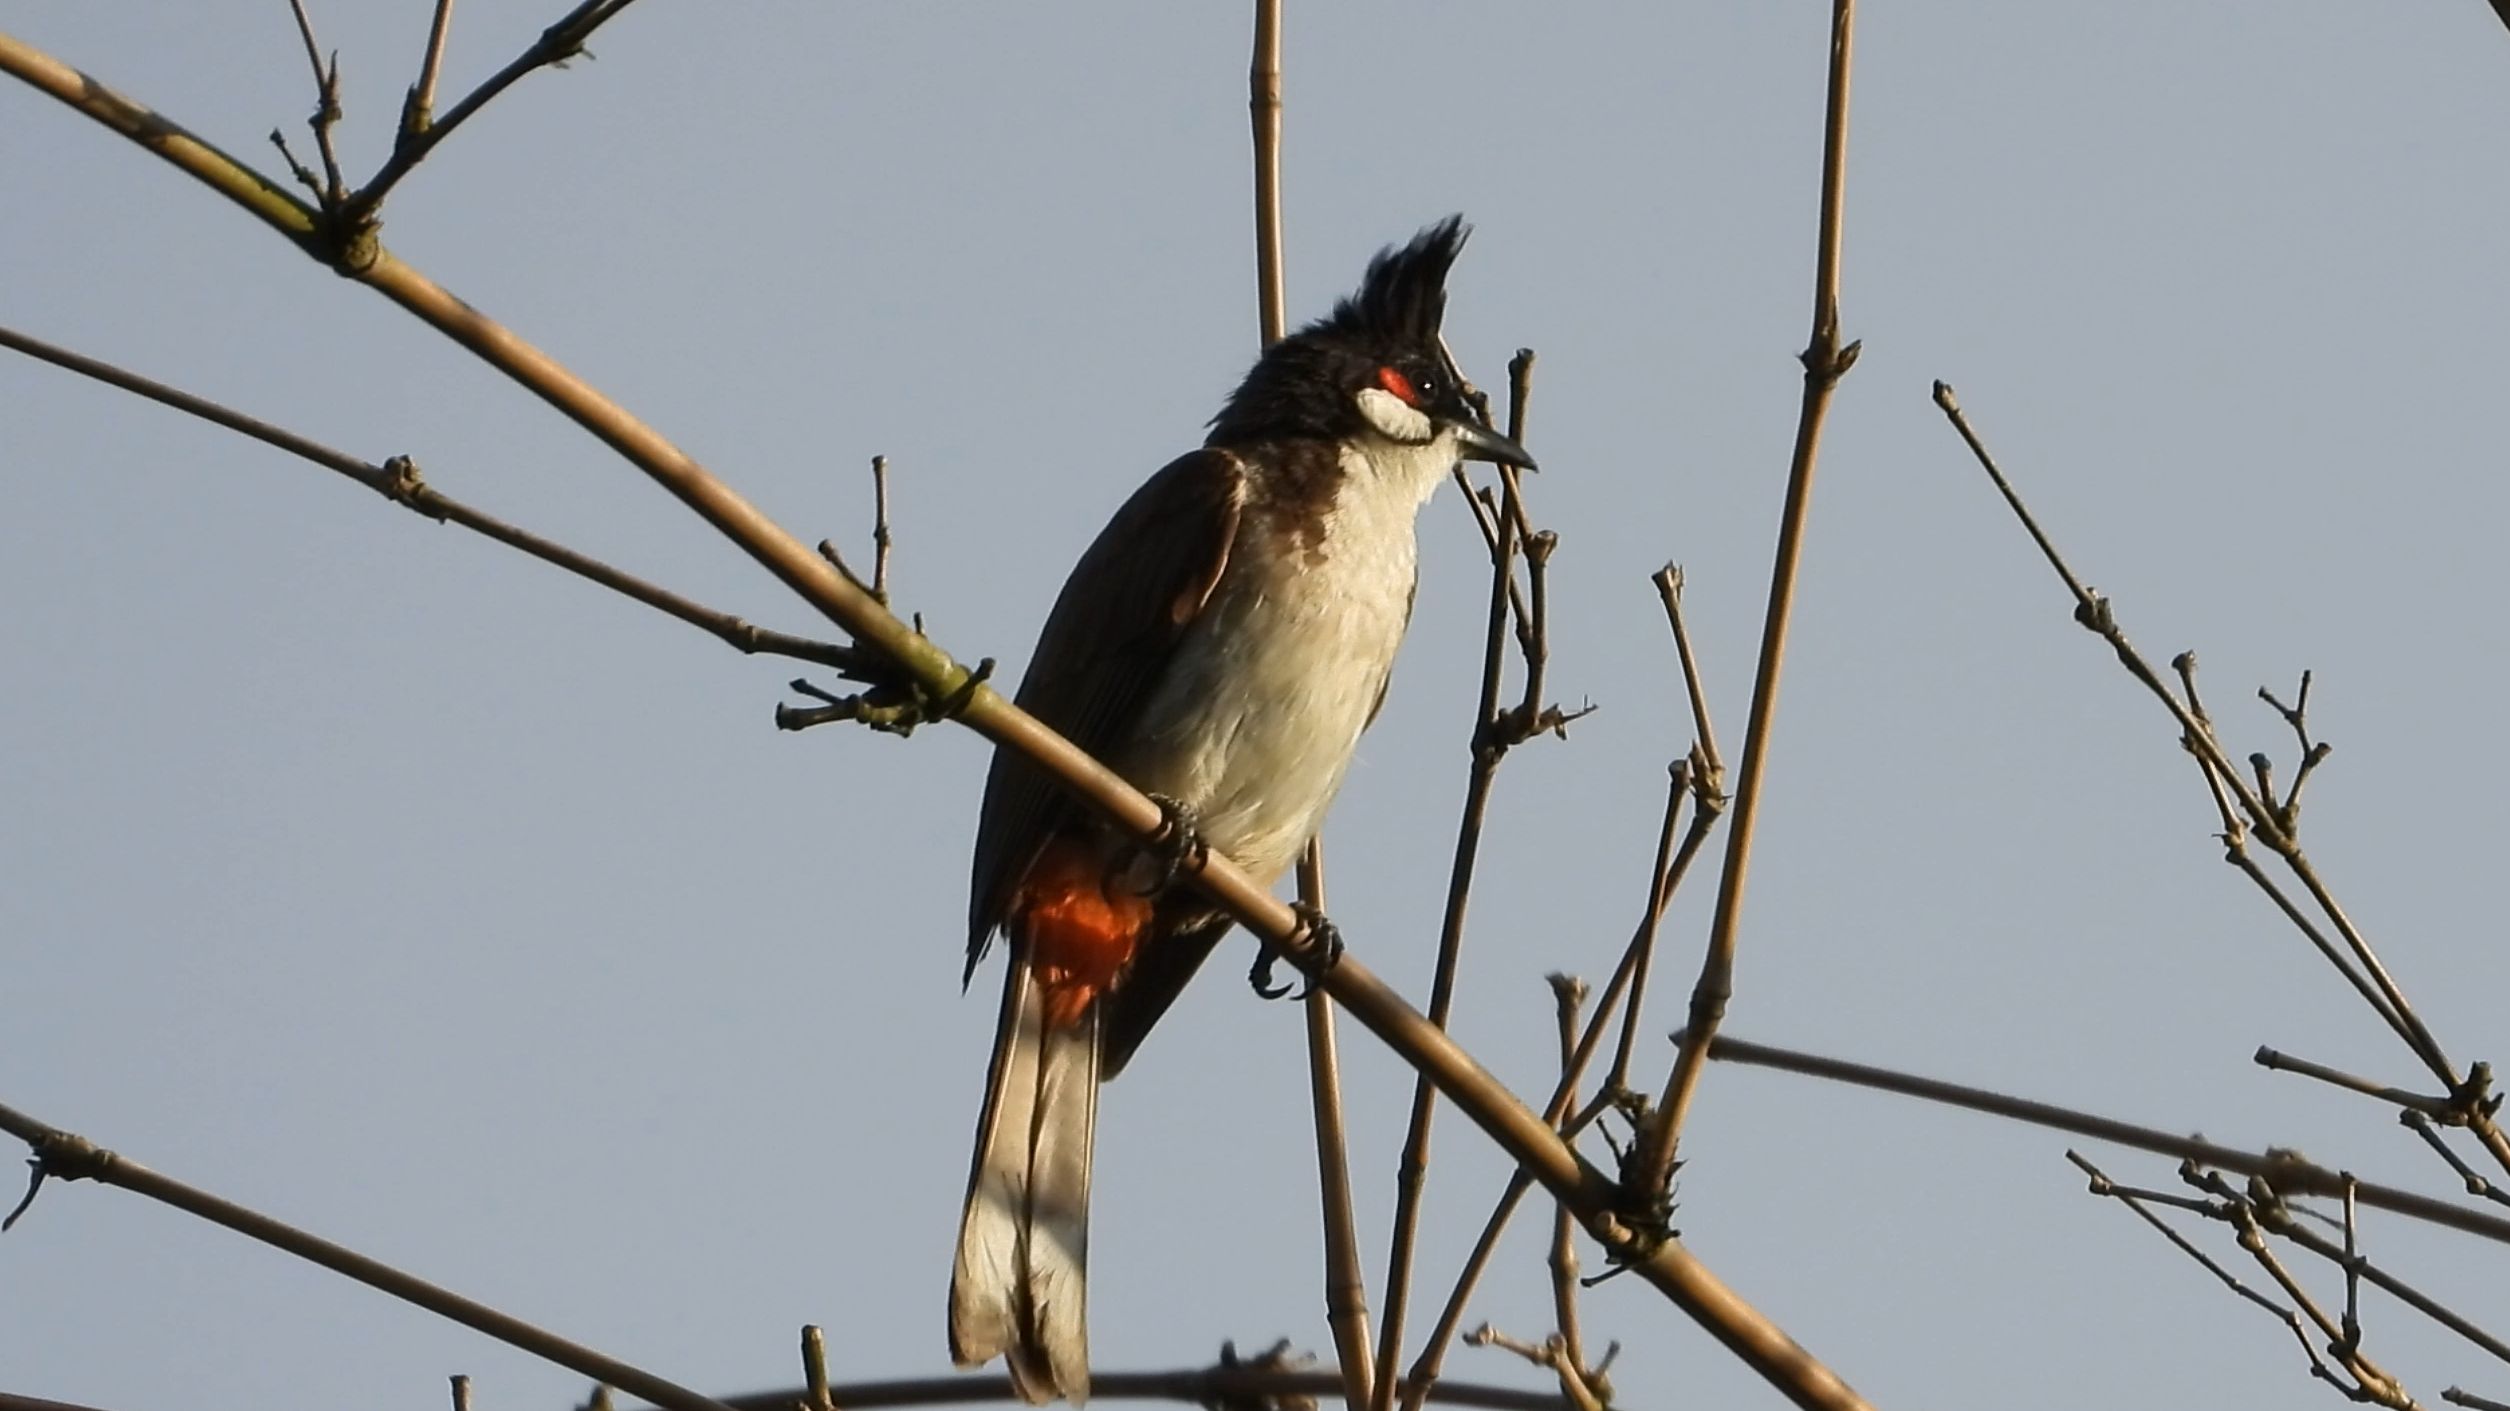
1104 649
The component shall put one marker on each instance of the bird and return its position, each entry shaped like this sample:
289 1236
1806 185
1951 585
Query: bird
1221 645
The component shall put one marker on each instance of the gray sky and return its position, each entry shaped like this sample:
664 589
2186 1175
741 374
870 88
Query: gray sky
386 881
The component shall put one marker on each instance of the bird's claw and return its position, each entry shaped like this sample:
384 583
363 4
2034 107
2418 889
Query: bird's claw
1320 944
1177 847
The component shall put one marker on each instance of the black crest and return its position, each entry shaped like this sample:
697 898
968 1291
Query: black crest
1300 387
1403 297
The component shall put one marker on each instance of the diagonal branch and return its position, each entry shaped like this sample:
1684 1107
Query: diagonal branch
1664 876
1649 1175
2291 1173
74 1158
2260 812
398 480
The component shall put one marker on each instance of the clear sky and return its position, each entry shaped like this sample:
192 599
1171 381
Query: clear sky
384 880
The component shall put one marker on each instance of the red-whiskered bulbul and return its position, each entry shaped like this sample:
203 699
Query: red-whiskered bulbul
1221 646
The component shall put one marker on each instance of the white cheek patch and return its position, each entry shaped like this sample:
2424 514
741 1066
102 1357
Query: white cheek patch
1395 419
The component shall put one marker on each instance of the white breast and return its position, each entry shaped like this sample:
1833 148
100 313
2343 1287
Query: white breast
1261 711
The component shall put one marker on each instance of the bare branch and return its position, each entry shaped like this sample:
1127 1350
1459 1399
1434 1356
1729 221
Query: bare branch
399 481
2268 818
1628 976
1263 83
2358 1269
1577 1380
1346 1286
557 44
881 538
1668 581
2275 1061
326 109
2474 1180
1647 1179
1412 1168
71 1157
2291 1173
418 109
2138 1201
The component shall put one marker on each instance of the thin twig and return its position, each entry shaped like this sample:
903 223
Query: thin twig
2136 1201
881 538
2473 1179
2290 1317
1346 1283
1569 993
70 1157
2279 1062
1263 84
1647 1181
2094 613
418 110
1491 743
2358 1269
1673 864
815 1369
398 480
326 108
2371 1382
557 44
2235 852
1551 1354
1412 1168
1668 581
1703 774
2290 1172
1663 876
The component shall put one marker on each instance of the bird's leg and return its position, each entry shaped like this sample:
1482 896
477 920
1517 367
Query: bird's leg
1176 848
1319 944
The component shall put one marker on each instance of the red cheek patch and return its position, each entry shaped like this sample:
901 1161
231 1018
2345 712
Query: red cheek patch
1399 385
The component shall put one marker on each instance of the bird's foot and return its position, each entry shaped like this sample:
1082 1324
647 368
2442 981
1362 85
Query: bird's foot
1318 946
1174 850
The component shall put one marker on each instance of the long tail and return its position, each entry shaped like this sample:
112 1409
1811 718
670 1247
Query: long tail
1020 1285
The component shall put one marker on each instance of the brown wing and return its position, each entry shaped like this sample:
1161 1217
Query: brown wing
1104 648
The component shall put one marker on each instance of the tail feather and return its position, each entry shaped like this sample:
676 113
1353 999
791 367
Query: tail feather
1019 1287
1057 1249
984 1320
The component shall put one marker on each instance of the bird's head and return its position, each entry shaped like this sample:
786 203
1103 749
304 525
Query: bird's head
1373 368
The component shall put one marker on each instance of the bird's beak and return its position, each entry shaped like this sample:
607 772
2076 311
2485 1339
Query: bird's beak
1475 442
